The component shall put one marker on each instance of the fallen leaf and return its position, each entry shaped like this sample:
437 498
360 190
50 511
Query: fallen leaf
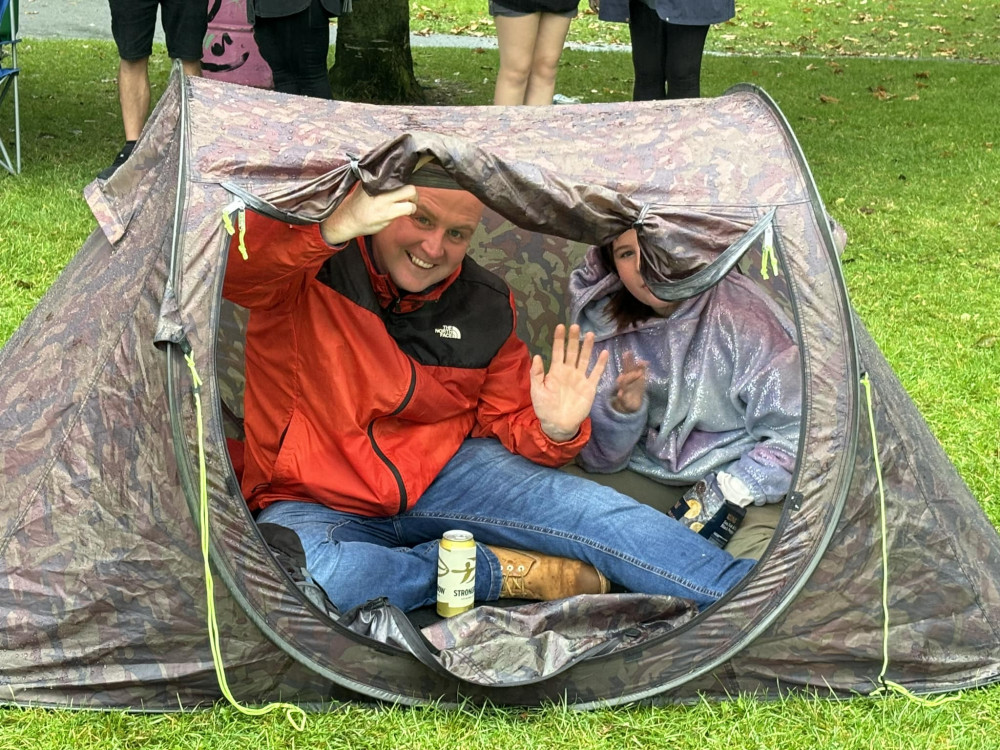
914 98
829 99
987 342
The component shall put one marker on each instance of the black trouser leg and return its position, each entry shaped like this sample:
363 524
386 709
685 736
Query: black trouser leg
296 47
666 57
685 46
648 52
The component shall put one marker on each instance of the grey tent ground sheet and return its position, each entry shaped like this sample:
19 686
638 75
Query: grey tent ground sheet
506 646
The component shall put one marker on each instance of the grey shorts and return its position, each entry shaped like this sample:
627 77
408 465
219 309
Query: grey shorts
496 9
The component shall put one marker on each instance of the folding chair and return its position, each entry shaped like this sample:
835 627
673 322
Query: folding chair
8 80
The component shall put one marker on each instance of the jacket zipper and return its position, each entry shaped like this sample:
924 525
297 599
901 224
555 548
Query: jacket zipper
378 451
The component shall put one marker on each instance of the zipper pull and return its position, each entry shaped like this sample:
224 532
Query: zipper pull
238 206
767 255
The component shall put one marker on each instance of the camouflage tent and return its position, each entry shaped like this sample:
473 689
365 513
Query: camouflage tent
102 583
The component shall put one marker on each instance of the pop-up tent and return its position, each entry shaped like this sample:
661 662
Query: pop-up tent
883 567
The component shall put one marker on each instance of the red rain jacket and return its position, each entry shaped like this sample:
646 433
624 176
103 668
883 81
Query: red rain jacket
356 395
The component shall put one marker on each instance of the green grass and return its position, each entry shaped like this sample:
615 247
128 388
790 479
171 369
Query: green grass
906 157
945 29
969 723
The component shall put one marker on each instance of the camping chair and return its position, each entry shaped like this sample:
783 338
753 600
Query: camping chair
8 79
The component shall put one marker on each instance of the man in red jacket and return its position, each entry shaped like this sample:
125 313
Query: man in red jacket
389 400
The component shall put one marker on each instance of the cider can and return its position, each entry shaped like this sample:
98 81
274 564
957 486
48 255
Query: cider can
456 587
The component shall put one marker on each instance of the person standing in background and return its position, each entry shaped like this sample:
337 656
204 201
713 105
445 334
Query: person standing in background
132 25
293 37
668 40
530 37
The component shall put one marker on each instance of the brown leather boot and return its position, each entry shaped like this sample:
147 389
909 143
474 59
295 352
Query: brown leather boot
531 575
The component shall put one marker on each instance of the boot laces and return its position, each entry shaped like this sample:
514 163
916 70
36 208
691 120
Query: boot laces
512 584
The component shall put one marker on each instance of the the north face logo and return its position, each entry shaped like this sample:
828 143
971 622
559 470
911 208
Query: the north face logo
448 332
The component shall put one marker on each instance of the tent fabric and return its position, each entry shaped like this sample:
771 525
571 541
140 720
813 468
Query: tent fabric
101 581
508 646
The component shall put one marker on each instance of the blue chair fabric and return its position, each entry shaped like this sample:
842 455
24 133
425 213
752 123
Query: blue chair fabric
8 81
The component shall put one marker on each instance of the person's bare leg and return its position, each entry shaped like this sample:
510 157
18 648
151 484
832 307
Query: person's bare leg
133 94
191 67
516 42
549 42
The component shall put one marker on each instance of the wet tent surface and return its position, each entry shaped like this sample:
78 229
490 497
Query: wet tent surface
101 581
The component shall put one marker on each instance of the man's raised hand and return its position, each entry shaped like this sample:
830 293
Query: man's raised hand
562 397
361 214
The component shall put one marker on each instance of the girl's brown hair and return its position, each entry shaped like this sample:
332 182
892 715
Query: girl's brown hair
625 310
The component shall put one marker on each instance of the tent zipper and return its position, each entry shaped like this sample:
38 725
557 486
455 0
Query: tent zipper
239 207
260 206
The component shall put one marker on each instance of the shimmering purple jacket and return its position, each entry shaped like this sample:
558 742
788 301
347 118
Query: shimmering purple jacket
724 386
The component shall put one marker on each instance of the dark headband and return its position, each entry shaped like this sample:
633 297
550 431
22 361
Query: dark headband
429 173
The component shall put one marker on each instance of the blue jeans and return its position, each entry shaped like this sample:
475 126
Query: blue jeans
508 501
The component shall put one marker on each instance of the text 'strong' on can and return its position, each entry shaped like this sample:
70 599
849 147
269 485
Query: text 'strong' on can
456 588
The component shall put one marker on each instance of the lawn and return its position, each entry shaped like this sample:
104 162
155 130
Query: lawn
945 29
906 152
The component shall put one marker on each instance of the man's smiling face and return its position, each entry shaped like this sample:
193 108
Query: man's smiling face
420 250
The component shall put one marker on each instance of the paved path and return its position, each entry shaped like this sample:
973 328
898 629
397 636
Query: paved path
91 19
67 19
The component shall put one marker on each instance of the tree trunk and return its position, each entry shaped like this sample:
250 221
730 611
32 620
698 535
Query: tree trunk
373 61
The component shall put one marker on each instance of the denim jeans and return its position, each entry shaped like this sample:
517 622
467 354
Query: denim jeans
508 501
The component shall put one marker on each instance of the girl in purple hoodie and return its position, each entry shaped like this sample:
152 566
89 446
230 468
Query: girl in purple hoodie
708 388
